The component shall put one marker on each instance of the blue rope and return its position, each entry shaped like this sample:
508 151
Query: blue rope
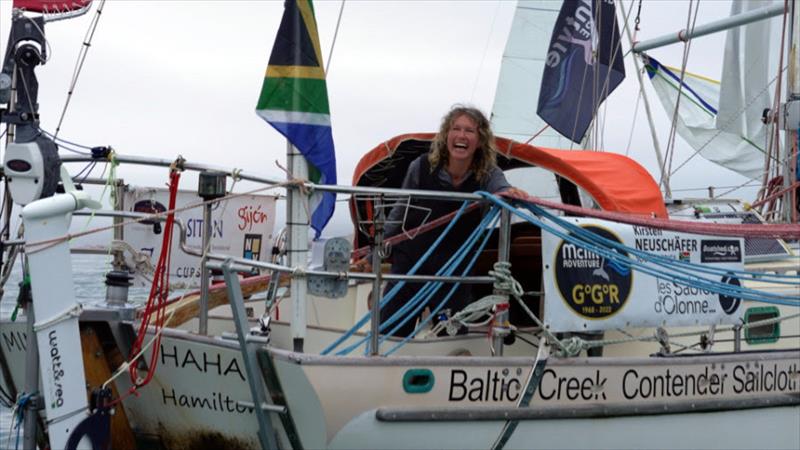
390 295
690 280
435 311
684 267
429 289
20 415
720 288
420 299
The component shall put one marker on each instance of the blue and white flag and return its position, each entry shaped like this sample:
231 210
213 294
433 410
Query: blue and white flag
584 64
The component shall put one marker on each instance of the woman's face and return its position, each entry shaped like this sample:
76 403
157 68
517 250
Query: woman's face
462 139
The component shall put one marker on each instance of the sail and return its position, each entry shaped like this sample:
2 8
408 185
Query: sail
513 114
722 121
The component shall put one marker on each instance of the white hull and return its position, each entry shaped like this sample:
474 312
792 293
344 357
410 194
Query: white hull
749 400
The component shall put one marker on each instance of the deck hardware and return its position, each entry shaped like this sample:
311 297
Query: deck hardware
418 381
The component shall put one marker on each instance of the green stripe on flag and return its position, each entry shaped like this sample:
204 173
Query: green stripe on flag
294 94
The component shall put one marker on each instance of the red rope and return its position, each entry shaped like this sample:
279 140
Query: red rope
158 296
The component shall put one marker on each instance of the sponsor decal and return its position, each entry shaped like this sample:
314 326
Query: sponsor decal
720 250
493 385
593 286
565 385
252 246
58 372
680 300
250 215
729 303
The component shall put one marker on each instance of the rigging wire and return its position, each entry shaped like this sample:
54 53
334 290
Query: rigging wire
773 141
670 151
335 34
64 143
87 42
483 56
633 123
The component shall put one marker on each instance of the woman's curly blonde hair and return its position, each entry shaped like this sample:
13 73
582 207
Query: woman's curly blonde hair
485 155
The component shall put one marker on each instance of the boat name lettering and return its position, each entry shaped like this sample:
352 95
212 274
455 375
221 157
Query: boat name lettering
250 216
15 341
495 386
763 379
675 244
581 31
206 364
553 387
58 372
217 401
646 231
194 228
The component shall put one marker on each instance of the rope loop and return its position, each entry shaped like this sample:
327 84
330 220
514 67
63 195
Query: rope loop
179 165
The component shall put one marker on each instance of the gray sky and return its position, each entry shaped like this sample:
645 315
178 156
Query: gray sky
167 78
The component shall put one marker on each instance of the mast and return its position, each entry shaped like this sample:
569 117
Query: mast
297 221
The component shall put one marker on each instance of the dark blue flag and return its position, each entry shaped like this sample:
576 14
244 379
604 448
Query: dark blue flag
583 65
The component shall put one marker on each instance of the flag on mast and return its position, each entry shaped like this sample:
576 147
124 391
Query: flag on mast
583 65
294 100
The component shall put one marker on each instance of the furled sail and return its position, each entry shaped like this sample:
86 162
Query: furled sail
722 121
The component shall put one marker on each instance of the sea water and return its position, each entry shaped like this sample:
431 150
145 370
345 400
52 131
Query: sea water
88 273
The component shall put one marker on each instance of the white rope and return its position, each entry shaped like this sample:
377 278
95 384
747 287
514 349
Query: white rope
127 364
73 311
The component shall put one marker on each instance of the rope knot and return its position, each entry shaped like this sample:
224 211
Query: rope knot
179 165
572 346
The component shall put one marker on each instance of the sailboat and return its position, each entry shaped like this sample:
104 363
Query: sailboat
689 358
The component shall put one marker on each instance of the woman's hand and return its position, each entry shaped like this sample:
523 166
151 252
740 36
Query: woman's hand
515 192
362 265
